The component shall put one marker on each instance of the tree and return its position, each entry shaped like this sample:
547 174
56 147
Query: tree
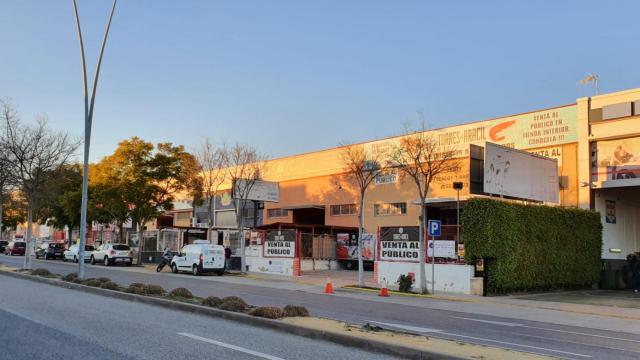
245 166
420 157
36 151
213 174
7 169
362 167
62 198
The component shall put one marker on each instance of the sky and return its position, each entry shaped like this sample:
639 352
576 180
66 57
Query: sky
296 76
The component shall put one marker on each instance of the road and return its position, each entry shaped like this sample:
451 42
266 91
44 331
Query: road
44 322
458 321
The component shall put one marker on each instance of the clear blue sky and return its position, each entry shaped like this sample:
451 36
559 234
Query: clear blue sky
294 76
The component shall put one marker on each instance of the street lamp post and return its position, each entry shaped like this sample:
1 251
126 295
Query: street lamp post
458 185
88 119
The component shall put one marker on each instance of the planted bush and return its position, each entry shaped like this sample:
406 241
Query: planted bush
110 285
233 303
268 312
531 247
92 282
181 293
70 277
212 301
404 283
135 288
294 311
152 289
41 272
103 279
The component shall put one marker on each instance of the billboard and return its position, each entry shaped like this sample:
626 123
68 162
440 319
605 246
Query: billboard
260 190
616 160
519 174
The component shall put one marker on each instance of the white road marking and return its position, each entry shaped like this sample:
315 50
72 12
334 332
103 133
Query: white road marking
579 333
489 321
406 327
515 344
232 347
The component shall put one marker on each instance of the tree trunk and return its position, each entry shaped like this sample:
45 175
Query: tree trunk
121 234
422 248
360 231
70 234
243 260
140 242
27 252
210 218
1 210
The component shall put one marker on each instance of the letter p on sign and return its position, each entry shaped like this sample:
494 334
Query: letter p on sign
435 228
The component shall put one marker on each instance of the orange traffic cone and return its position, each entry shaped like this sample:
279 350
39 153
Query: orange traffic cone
383 290
328 288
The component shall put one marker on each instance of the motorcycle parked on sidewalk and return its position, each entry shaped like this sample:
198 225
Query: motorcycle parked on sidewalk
166 260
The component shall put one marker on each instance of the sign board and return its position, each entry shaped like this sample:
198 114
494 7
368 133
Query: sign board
435 228
519 174
442 248
280 248
260 190
347 246
616 160
399 243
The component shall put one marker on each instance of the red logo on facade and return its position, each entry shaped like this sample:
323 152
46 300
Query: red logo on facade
494 132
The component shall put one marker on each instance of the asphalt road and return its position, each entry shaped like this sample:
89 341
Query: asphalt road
459 322
39 321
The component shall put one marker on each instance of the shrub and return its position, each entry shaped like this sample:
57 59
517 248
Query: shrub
152 289
103 279
294 310
135 288
233 303
109 285
92 282
269 312
41 272
404 283
70 277
181 293
532 247
212 301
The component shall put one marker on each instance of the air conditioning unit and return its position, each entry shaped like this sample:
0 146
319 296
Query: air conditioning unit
202 225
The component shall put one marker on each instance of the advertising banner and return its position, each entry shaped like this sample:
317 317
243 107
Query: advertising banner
442 248
616 160
279 249
399 244
347 246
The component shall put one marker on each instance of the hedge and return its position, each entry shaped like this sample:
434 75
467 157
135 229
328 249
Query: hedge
532 247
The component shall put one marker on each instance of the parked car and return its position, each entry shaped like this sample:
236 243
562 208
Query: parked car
199 257
49 250
110 254
3 245
15 248
72 253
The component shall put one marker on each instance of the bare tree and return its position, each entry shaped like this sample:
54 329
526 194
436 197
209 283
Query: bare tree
212 162
362 167
7 168
36 152
420 157
245 166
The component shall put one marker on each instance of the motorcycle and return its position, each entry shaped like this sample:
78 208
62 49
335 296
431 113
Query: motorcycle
166 260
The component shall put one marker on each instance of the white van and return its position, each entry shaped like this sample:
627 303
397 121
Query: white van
199 257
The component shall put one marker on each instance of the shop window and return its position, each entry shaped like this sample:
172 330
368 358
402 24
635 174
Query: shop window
344 209
277 212
390 209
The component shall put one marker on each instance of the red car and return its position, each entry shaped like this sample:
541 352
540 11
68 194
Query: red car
15 248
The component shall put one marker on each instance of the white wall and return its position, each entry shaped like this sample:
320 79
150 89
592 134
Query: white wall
257 263
625 233
318 265
448 278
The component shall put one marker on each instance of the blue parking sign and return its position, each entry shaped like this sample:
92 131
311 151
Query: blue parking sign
435 228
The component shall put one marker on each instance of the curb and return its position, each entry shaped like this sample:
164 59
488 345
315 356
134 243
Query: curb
374 346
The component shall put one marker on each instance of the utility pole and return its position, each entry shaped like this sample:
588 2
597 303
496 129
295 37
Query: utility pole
458 185
88 119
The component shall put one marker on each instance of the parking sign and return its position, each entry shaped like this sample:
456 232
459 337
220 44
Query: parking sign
435 228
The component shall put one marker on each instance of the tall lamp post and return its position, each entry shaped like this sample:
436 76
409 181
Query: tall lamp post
88 119
458 185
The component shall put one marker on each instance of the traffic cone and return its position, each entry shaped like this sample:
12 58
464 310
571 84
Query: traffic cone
328 288
383 290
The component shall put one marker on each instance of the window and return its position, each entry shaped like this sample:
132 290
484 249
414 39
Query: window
387 177
390 209
121 247
344 209
277 212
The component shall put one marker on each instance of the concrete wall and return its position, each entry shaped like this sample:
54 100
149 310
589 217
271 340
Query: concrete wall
448 278
625 233
318 265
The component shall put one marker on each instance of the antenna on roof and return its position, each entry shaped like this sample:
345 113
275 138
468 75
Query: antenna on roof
591 78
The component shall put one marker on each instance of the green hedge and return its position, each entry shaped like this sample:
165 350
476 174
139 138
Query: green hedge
532 247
